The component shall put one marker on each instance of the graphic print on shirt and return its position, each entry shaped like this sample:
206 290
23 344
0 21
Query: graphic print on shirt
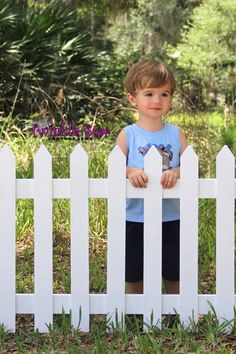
165 151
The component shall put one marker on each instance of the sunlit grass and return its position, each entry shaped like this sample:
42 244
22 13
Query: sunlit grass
206 143
203 133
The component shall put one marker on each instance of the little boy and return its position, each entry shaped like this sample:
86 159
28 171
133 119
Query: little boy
150 86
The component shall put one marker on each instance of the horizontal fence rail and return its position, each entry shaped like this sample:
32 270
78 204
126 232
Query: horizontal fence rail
152 304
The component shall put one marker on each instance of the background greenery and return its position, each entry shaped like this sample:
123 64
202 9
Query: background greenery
65 61
204 132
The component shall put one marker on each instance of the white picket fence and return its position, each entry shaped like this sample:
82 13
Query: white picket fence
79 188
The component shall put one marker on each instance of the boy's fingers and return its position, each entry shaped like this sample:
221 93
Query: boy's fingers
139 181
135 182
162 179
142 182
145 177
169 181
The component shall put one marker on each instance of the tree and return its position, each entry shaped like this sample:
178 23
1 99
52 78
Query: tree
207 51
147 28
41 51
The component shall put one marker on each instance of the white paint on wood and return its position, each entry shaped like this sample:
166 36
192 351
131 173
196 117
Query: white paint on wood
7 238
189 237
98 188
134 303
153 239
43 263
116 236
79 239
43 303
225 169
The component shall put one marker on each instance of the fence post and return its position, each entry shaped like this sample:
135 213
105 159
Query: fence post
43 285
116 236
189 237
79 239
153 240
225 235
7 238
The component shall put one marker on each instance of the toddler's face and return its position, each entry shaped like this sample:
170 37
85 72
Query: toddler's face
152 102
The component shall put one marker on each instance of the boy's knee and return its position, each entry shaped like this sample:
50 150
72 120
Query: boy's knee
171 287
134 288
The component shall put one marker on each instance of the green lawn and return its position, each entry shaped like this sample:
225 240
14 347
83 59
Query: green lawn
204 132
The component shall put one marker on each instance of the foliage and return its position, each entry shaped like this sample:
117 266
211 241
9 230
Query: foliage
207 52
104 99
41 52
50 70
146 29
206 336
228 137
96 17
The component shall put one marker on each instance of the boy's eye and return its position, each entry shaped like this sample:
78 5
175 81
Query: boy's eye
149 94
165 94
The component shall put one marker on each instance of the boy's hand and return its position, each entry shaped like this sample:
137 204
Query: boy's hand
169 178
137 177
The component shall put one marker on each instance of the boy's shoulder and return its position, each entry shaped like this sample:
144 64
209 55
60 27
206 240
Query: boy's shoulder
134 128
173 126
129 128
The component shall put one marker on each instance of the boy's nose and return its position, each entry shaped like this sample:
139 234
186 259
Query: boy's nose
157 99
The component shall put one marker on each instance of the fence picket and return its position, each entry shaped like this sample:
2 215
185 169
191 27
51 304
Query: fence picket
78 188
79 239
43 286
7 238
225 235
189 237
116 236
153 240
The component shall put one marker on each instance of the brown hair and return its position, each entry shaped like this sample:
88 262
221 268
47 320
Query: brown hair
148 73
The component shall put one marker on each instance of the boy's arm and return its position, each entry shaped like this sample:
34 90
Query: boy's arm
121 142
136 176
183 141
169 177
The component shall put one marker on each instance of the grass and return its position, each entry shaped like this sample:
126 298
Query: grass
204 133
204 337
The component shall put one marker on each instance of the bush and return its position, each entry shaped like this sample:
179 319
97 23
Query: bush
41 55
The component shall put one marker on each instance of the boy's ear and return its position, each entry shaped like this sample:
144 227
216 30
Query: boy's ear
132 99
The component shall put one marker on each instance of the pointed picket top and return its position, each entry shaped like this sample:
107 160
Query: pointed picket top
5 147
42 153
225 154
116 152
77 157
7 152
116 236
225 170
189 154
78 151
153 154
8 237
79 196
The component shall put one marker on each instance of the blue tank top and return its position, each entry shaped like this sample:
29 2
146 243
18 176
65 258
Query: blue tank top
138 142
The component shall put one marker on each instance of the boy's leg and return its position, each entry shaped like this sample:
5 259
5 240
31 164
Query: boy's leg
170 256
171 287
134 288
134 258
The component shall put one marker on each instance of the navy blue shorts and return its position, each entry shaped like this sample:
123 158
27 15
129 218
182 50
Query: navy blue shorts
134 251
